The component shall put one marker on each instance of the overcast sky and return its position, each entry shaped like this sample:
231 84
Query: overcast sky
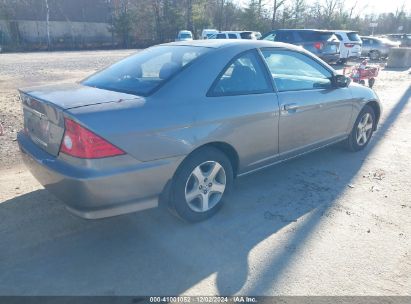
363 6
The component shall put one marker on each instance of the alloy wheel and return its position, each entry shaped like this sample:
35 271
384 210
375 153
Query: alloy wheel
205 186
364 129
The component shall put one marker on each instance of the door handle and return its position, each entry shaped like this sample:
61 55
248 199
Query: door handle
291 107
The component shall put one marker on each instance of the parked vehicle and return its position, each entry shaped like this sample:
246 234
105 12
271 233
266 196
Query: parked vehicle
350 45
158 123
184 36
207 33
403 39
324 44
376 48
236 35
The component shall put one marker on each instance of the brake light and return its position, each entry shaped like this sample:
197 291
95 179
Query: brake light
82 143
349 45
318 45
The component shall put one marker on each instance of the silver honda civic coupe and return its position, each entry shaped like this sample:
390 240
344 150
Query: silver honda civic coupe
182 120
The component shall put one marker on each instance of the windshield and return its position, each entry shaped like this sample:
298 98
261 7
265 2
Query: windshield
316 36
142 73
353 36
185 35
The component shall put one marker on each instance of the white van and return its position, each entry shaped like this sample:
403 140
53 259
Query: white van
184 36
236 35
207 33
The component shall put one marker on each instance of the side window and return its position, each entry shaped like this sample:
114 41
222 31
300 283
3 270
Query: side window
220 36
245 35
294 71
284 36
232 36
270 37
339 37
244 75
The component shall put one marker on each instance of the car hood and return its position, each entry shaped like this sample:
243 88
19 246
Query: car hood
68 96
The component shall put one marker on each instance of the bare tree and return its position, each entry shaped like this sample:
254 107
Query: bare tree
276 5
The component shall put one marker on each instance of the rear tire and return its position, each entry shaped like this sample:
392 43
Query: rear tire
362 131
200 184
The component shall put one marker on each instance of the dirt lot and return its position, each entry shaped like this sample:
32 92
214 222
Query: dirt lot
329 223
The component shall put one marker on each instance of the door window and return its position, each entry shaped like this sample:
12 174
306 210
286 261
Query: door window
339 37
270 37
232 36
294 71
244 75
285 36
220 36
366 41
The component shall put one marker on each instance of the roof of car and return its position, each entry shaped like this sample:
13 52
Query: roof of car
220 43
343 31
371 37
302 30
235 31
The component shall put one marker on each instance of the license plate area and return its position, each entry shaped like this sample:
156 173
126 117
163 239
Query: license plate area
37 126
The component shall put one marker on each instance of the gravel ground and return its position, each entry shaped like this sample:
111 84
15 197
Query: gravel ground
329 223
31 69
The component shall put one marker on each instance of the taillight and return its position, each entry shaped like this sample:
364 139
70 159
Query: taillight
349 45
82 143
318 45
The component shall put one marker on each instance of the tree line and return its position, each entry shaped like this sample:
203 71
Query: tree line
160 20
139 23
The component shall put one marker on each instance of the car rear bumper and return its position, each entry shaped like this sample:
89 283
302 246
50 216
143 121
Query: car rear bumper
91 192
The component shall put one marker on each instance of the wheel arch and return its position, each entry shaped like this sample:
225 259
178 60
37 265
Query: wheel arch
377 111
225 148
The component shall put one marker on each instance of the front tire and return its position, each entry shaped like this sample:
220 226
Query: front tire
362 131
201 184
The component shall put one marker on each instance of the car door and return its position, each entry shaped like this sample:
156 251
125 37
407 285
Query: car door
312 110
246 108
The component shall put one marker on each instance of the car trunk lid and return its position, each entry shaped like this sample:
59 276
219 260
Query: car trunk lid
43 109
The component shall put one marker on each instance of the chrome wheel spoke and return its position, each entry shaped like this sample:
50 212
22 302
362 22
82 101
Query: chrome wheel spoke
364 136
364 129
218 188
198 174
204 201
360 125
214 171
190 196
365 118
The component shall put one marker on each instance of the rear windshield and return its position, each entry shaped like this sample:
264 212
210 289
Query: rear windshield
185 35
353 36
315 36
142 73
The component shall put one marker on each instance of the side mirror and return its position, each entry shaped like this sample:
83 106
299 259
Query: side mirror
341 81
